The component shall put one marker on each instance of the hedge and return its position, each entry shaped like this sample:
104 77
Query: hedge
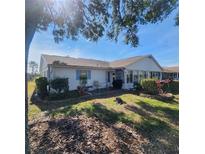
65 95
172 87
137 86
41 87
149 86
60 84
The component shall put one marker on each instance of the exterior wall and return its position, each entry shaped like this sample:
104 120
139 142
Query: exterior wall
96 75
147 64
174 75
43 67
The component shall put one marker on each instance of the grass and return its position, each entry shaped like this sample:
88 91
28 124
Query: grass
154 119
33 110
134 110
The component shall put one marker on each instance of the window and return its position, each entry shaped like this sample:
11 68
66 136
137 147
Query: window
108 77
83 74
113 76
156 75
144 74
151 74
130 77
135 78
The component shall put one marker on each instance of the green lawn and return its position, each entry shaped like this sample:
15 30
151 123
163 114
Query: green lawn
136 109
156 120
33 110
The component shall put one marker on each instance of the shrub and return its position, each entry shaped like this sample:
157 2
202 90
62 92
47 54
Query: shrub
117 84
41 87
60 84
96 84
83 81
149 85
137 86
65 95
172 87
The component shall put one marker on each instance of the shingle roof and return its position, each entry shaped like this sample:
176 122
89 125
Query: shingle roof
76 61
94 63
125 62
171 69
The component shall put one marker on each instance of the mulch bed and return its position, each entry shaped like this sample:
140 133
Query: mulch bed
81 134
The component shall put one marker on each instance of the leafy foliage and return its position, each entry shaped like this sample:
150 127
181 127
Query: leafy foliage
34 67
64 95
96 84
60 84
93 19
41 87
149 85
137 86
177 20
83 81
172 87
117 84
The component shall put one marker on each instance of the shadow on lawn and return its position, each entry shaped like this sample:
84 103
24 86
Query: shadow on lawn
162 139
171 114
57 104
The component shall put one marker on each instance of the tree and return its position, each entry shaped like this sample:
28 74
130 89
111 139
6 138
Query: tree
93 19
177 20
34 67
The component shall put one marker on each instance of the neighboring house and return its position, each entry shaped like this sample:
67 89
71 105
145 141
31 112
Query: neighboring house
129 70
171 72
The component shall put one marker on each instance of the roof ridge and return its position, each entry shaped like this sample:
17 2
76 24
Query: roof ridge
75 57
132 57
94 62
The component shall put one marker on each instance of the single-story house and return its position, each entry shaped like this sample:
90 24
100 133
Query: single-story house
129 70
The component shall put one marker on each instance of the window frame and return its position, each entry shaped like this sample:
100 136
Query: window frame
81 73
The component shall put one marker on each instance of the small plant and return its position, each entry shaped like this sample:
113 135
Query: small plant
96 84
137 86
41 87
60 96
60 84
149 86
82 87
83 81
117 84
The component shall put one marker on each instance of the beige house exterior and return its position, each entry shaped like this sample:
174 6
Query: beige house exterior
128 70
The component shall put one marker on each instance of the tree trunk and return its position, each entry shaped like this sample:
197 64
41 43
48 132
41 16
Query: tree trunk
30 31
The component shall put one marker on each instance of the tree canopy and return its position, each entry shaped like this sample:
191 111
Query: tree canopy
93 19
34 67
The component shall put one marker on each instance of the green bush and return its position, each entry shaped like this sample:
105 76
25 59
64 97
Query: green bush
83 81
149 86
65 95
172 87
41 87
137 86
117 84
60 84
